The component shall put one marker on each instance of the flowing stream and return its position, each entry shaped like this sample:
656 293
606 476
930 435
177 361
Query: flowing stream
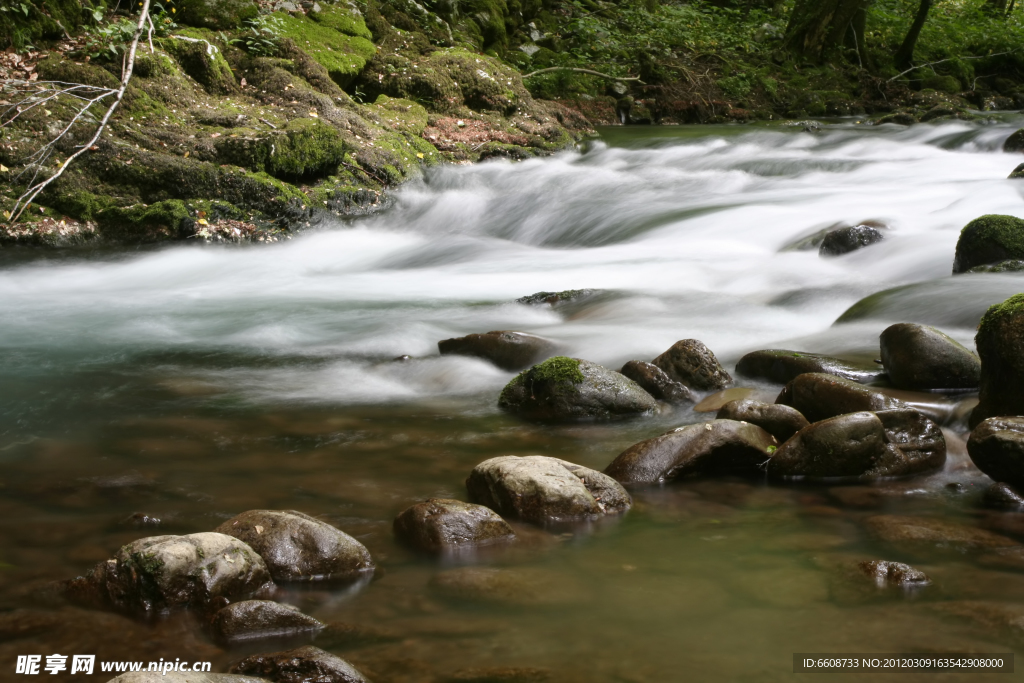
193 382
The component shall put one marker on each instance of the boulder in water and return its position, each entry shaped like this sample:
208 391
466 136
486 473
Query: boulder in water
1015 143
819 396
565 389
1000 342
657 383
297 547
989 239
690 362
301 665
545 490
440 524
778 365
922 358
778 420
844 240
507 350
1008 266
716 448
1002 496
254 619
997 447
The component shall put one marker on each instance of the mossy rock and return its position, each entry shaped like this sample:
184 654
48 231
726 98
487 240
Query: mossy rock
1015 143
404 115
216 14
989 239
1017 172
45 20
306 148
57 68
1000 342
200 57
168 219
343 56
344 19
946 84
485 83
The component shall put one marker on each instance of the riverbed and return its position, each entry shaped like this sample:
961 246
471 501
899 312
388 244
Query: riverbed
192 382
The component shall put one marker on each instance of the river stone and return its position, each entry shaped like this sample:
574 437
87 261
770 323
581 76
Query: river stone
997 447
690 362
921 443
921 357
539 489
657 383
440 524
1000 342
886 574
716 448
1002 496
1015 143
565 389
1017 172
989 239
182 677
553 299
908 533
778 420
216 14
297 547
819 396
165 572
252 619
844 240
507 350
844 446
782 366
302 665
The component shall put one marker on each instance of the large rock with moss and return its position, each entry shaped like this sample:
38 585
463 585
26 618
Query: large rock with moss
989 239
1000 342
216 14
1015 143
343 55
166 572
565 389
923 358
305 148
545 490
199 55
716 448
997 447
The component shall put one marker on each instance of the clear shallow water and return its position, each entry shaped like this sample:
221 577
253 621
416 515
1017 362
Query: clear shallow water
196 382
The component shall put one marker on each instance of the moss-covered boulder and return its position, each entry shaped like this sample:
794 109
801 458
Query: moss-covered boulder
1017 172
402 115
344 56
989 239
343 18
305 148
1000 342
1015 143
200 57
564 389
216 14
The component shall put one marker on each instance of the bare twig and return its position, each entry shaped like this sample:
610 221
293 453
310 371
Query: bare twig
584 71
268 123
948 59
126 74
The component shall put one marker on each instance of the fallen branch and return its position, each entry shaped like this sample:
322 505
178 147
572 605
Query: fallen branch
126 74
948 59
585 71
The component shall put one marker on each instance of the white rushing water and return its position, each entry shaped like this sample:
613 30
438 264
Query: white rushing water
686 231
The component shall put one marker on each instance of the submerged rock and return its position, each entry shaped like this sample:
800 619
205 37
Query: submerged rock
921 357
783 366
719 447
778 420
1000 342
252 619
302 665
690 362
440 524
1002 496
507 350
997 619
527 587
657 383
166 572
565 389
893 574
297 547
909 533
819 396
541 490
989 239
861 581
997 447
844 240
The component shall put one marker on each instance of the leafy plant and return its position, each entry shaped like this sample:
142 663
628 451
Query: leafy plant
108 41
262 36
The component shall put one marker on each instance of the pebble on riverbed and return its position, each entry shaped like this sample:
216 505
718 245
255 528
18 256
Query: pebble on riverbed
300 665
919 357
690 362
508 350
440 525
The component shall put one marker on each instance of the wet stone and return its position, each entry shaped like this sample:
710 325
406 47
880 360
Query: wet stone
439 525
921 357
543 490
909 533
692 363
996 446
893 574
820 396
780 421
301 665
989 239
716 448
782 366
844 446
1002 497
507 350
844 240
252 619
297 547
1000 342
657 383
553 299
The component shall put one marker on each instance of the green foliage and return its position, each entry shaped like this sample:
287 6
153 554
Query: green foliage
261 36
108 40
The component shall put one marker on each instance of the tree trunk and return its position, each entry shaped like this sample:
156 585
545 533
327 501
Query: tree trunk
817 27
905 55
855 39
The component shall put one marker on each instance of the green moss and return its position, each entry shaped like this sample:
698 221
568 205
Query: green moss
557 369
402 114
202 59
1017 172
306 148
342 55
946 84
1012 306
216 14
989 239
343 19
508 394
